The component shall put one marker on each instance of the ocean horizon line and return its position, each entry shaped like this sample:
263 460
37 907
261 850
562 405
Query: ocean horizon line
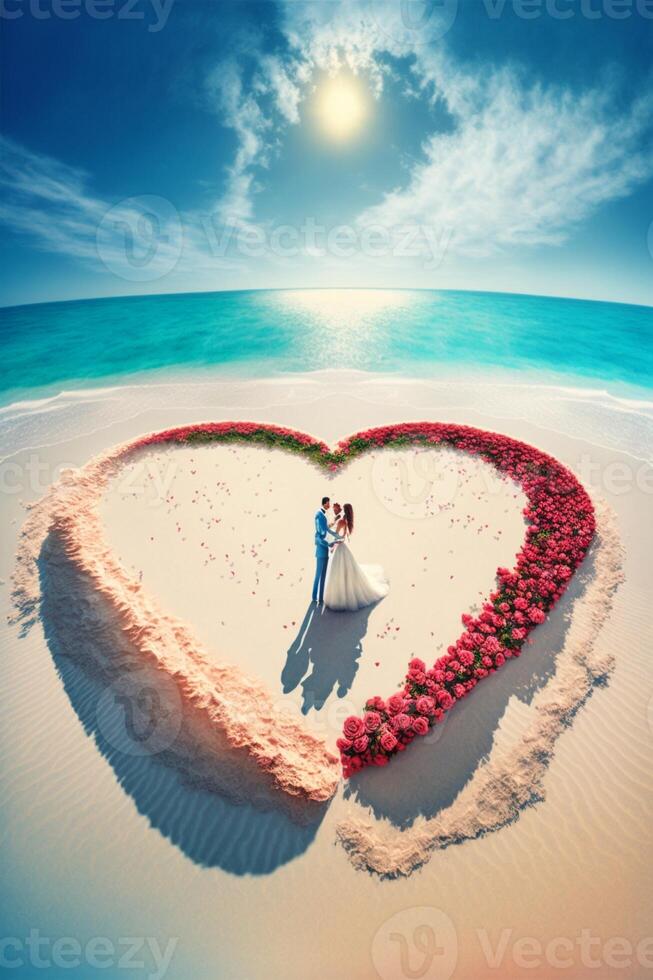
313 289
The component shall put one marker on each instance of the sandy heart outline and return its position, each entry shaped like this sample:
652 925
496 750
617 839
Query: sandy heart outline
226 711
561 529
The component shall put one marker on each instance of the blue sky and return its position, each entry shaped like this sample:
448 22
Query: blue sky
177 145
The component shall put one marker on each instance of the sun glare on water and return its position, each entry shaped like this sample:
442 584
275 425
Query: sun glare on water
341 107
340 327
344 310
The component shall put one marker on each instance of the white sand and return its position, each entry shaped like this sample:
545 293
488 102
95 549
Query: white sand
216 717
573 862
230 549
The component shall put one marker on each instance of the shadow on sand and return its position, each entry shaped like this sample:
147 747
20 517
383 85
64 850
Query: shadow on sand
434 770
325 653
207 826
240 837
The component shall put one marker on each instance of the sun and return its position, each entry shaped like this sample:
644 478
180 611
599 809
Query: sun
341 107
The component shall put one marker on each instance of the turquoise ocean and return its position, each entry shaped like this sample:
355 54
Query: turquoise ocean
47 348
573 366
103 842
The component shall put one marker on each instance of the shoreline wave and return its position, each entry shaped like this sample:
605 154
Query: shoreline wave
596 415
194 377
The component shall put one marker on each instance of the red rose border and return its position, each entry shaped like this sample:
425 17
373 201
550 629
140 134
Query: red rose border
561 525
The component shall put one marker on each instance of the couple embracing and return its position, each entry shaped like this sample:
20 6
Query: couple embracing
340 582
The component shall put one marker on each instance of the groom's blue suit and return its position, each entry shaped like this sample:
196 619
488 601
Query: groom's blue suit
321 553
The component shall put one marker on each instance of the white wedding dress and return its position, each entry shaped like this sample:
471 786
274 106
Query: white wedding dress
350 586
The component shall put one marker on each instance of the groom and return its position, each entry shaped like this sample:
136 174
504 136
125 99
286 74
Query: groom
322 549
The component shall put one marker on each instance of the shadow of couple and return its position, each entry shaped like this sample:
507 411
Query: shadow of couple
325 654
250 837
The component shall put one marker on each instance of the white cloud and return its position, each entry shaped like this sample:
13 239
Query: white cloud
240 111
138 239
522 167
284 84
330 36
321 37
522 164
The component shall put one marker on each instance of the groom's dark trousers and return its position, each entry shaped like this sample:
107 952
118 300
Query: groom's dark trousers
320 577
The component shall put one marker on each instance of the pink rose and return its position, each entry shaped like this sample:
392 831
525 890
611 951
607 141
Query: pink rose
353 727
376 704
420 725
396 704
344 744
361 744
388 741
425 705
445 700
401 721
372 721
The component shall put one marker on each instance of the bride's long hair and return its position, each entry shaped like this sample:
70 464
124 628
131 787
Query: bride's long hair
348 511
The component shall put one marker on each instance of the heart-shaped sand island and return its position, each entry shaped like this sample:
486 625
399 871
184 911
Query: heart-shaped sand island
226 729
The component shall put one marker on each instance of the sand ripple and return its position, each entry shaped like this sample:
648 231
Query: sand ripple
512 779
224 715
231 736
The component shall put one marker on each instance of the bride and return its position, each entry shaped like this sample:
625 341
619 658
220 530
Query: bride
351 586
